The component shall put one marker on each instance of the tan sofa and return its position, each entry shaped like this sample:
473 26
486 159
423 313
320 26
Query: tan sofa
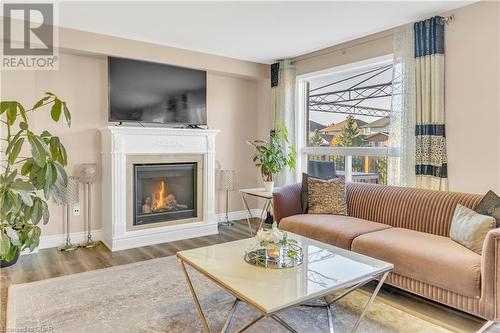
409 228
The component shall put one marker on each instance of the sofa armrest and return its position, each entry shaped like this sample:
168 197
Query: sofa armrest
490 274
287 201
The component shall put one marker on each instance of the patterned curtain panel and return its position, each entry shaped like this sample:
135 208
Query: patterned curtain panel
283 107
430 156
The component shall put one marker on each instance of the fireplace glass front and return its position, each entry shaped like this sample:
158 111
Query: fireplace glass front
164 192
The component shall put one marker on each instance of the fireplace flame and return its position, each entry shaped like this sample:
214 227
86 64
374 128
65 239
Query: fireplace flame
160 198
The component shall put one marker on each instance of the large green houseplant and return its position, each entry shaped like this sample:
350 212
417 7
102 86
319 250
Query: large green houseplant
28 182
273 156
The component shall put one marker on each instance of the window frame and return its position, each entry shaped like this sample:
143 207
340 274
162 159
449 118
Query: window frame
302 118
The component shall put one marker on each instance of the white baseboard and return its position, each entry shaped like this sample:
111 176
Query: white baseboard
239 214
186 231
50 241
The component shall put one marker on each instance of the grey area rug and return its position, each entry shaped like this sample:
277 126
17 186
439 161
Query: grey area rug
152 296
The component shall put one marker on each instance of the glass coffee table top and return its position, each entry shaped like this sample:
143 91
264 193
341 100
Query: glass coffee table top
325 269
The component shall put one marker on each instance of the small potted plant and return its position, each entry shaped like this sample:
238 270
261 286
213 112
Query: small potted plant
28 182
274 156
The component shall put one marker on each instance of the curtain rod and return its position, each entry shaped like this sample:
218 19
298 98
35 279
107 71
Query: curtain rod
445 20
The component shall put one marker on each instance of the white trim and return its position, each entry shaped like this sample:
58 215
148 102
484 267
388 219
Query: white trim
186 231
239 214
119 142
50 241
300 111
358 65
347 151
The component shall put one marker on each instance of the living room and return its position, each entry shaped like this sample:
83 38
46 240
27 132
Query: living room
215 166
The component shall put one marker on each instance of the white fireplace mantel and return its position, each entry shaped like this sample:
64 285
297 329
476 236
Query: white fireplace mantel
117 143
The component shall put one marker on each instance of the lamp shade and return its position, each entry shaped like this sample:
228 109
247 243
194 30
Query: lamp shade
71 191
87 173
226 180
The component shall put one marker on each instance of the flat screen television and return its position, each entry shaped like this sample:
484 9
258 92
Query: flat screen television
147 92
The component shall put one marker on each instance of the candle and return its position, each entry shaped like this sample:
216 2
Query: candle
273 250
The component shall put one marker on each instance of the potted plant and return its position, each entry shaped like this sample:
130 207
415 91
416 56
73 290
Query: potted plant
274 156
28 182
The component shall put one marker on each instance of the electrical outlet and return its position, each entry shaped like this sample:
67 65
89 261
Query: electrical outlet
76 210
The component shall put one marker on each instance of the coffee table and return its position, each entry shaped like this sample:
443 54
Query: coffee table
326 269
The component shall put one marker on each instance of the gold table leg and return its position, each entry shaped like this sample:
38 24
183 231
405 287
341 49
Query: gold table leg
249 215
195 298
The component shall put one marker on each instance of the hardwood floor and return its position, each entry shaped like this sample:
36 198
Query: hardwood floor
49 263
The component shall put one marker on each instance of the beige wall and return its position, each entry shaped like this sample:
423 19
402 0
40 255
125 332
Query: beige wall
234 104
472 90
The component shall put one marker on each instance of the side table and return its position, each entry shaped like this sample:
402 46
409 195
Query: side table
268 205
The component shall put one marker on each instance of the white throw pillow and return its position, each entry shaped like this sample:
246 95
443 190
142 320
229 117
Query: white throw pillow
469 228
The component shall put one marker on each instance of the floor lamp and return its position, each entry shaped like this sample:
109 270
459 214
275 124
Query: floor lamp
226 183
71 197
87 174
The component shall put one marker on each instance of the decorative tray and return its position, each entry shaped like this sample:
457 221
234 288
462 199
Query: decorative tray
275 256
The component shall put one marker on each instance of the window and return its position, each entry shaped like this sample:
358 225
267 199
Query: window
344 118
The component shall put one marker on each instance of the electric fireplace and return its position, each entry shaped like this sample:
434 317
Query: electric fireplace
164 192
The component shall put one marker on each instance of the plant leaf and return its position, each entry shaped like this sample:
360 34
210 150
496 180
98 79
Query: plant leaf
13 141
45 212
26 168
40 102
36 215
48 174
55 112
15 151
4 245
22 111
12 234
37 149
67 114
4 105
11 113
23 186
54 147
61 173
63 156
26 198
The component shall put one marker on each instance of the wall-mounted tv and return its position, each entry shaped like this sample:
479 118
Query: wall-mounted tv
147 92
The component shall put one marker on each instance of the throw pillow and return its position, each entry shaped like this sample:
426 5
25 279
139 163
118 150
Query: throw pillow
490 205
469 228
326 196
303 194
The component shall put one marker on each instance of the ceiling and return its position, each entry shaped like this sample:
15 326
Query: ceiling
254 31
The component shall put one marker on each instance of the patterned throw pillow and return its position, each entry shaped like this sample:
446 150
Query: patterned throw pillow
304 192
326 196
490 205
469 228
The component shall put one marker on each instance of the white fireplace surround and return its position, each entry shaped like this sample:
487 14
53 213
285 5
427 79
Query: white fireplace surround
120 141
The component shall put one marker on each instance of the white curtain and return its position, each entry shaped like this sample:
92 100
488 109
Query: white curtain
283 109
401 163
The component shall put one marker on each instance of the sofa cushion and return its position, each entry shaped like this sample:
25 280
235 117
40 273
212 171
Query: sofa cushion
336 230
469 228
432 259
326 196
